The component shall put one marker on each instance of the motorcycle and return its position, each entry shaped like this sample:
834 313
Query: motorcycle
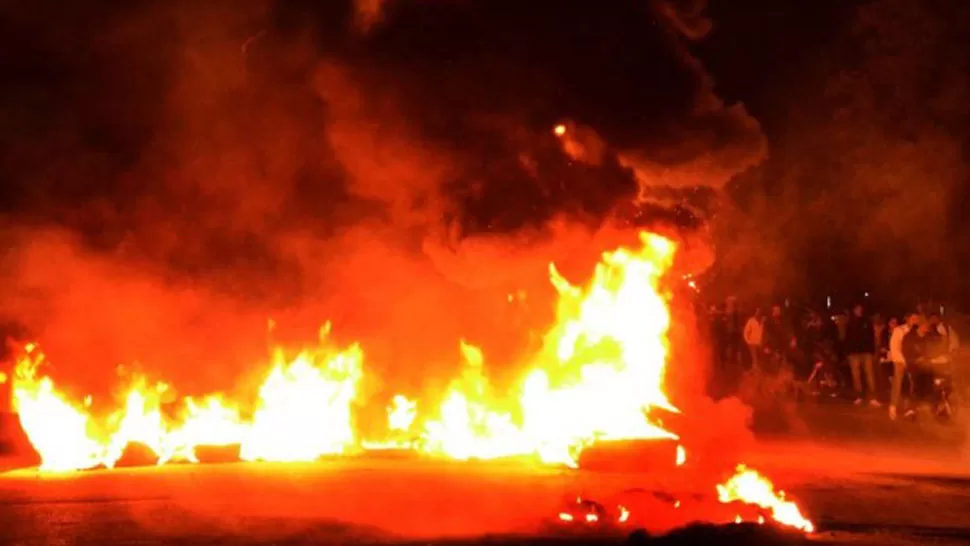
826 379
945 402
941 396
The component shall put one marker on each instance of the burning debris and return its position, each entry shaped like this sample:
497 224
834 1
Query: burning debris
599 378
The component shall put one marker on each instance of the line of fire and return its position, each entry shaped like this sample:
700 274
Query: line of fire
592 403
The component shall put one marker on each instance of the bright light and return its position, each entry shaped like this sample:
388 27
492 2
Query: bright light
559 130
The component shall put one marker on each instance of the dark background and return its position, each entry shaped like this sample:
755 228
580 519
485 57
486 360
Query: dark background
170 163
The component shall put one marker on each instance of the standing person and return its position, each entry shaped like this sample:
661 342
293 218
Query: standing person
944 329
896 356
733 337
860 345
880 354
776 339
921 374
811 338
753 335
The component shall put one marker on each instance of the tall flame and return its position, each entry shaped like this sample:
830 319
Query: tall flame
599 376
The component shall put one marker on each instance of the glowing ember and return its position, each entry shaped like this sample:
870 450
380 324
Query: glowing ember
750 487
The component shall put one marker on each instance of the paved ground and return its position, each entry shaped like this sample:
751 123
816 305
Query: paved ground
376 500
863 479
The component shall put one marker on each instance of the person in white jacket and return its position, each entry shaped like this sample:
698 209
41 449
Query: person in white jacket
898 360
753 335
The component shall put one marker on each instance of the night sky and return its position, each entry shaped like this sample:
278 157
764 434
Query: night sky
195 137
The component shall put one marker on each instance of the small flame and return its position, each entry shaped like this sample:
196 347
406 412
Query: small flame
681 455
559 130
624 514
750 487
565 516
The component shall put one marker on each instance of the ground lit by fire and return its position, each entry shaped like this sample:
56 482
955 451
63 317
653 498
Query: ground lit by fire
599 377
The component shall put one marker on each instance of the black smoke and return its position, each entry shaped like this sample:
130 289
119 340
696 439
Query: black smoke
175 172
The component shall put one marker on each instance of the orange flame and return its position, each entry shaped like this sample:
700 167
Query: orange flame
752 488
600 376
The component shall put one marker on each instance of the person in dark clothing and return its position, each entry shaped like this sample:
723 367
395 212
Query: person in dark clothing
860 346
733 339
777 339
916 349
808 345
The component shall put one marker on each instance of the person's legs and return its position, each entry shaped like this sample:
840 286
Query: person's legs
755 353
896 391
870 378
922 391
854 362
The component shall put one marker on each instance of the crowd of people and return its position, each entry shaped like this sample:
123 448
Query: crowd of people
866 358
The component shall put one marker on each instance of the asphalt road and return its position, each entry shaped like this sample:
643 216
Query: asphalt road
855 495
862 479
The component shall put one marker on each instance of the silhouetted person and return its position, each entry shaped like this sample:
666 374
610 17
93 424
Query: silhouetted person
920 371
754 335
860 346
777 337
897 356
733 337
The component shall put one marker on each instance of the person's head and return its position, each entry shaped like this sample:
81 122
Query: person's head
858 310
758 312
934 319
893 322
913 319
776 311
878 321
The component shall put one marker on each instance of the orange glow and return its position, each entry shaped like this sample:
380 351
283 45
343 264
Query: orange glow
599 376
302 413
304 406
750 487
559 130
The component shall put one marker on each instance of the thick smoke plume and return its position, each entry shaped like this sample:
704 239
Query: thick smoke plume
179 172
866 182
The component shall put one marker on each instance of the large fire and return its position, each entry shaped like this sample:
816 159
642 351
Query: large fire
600 376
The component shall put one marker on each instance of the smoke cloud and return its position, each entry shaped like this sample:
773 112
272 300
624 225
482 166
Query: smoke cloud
178 173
